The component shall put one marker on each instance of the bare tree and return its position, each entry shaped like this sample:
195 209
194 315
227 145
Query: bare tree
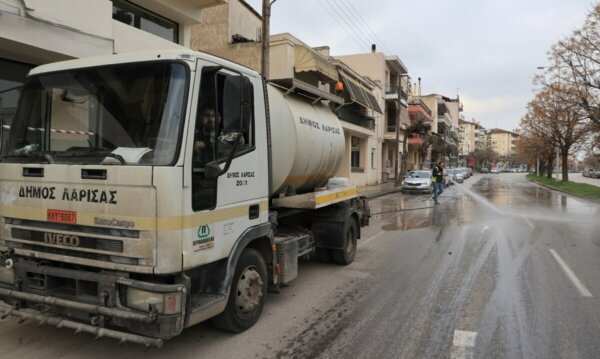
555 117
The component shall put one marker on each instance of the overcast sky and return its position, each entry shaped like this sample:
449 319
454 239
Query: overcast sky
487 50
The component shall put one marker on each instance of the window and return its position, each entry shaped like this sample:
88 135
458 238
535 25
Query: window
224 129
12 75
355 156
373 157
140 18
132 113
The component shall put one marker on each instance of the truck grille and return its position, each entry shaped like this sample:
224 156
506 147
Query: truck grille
59 227
72 253
100 244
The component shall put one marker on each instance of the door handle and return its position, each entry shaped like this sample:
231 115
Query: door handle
253 211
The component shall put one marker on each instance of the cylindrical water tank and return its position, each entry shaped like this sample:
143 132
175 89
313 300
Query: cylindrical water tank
307 142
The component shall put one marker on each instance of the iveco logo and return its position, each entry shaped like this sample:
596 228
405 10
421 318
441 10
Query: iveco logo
61 239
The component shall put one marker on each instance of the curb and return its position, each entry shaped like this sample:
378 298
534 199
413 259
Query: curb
383 193
563 191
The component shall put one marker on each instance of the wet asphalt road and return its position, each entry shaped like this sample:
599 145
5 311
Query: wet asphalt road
502 268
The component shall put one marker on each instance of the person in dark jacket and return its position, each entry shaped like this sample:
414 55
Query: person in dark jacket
438 181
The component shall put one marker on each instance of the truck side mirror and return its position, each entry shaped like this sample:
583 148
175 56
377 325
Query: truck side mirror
212 170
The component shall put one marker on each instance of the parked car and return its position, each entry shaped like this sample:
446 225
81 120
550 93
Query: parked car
588 172
470 171
495 171
456 175
595 174
417 181
465 172
484 170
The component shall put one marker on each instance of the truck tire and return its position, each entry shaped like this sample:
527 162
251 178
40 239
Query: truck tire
247 295
346 255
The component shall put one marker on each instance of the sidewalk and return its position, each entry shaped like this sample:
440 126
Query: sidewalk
378 189
577 177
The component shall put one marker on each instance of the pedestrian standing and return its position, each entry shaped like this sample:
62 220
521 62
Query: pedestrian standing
437 179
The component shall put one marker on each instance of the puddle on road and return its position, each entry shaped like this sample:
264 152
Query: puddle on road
485 198
409 213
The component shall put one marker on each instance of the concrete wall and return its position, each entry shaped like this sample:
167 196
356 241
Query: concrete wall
243 21
219 24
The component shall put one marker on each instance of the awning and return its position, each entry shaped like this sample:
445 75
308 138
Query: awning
360 94
306 59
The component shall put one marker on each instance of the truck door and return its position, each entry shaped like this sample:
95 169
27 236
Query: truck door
227 205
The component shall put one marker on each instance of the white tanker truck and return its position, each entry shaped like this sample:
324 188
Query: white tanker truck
143 193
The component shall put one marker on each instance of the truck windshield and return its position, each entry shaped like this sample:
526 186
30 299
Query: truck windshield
118 114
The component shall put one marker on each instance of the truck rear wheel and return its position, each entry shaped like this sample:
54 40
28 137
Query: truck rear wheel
247 295
347 254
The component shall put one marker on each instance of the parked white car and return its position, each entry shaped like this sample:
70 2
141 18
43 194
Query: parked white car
417 181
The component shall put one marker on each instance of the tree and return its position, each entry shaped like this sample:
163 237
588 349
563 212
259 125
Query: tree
423 129
576 62
556 118
532 148
483 157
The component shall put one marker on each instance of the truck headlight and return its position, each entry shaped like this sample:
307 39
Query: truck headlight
165 303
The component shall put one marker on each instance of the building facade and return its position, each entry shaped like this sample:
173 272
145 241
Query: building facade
472 137
391 74
35 32
503 142
418 112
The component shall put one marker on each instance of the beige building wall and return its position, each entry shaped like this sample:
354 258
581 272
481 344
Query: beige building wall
220 24
501 143
374 66
469 134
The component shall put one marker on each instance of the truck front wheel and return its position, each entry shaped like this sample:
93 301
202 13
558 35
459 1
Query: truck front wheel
347 254
248 293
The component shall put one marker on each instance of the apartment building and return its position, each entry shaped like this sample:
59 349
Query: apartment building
35 32
472 137
503 142
390 73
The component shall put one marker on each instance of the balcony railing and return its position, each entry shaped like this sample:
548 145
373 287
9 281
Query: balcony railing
348 115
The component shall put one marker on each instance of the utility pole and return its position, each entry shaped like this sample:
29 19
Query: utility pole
266 19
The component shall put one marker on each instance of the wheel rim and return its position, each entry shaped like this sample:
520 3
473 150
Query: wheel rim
350 241
249 290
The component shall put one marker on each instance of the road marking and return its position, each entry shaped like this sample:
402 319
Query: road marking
576 282
463 345
365 241
529 223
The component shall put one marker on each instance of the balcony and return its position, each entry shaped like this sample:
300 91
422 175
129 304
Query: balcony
414 139
445 119
351 116
391 92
